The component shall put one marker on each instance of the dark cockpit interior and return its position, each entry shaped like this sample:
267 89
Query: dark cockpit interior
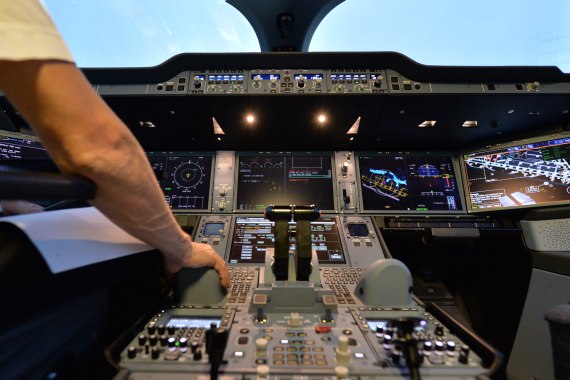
439 247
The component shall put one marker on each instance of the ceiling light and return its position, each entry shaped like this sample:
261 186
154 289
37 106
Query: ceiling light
250 119
427 124
322 118
469 124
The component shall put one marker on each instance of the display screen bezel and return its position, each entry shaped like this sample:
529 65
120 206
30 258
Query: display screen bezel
498 147
334 218
458 178
211 155
38 145
328 155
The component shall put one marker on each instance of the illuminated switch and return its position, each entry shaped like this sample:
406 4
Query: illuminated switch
319 329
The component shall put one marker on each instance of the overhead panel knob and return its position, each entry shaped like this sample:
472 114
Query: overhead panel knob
197 82
318 81
257 81
378 81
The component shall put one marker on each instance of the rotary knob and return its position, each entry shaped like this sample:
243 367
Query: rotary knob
301 81
132 352
197 82
261 346
295 320
378 81
257 81
273 82
318 82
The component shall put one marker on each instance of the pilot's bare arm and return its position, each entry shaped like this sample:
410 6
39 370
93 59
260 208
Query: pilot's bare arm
85 137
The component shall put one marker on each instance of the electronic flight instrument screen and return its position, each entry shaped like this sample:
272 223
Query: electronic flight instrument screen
253 235
184 178
15 146
408 182
284 180
529 175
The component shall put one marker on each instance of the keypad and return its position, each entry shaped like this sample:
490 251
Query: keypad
241 278
342 281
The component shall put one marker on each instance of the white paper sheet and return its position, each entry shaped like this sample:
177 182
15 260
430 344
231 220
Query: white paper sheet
69 239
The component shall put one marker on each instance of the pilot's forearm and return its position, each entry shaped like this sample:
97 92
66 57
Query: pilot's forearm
56 100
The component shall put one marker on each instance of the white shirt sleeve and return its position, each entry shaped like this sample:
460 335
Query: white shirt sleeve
27 32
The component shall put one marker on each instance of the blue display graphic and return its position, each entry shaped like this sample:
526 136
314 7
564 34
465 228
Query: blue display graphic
408 183
346 76
309 76
265 76
226 77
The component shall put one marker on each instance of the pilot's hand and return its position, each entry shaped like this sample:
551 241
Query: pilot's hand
201 255
19 207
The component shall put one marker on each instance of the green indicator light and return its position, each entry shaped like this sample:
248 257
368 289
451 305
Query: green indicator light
177 344
168 188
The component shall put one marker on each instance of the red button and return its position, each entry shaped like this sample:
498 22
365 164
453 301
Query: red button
322 329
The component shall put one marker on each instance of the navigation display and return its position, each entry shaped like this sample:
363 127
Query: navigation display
253 235
408 182
184 179
529 175
15 146
284 180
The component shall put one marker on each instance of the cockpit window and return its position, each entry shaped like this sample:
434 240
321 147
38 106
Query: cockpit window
451 32
141 33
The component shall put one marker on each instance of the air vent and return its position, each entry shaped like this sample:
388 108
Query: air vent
547 235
